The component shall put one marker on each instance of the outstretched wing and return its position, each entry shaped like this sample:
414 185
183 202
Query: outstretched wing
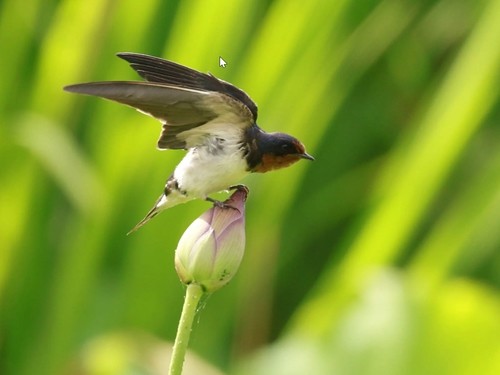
191 105
154 69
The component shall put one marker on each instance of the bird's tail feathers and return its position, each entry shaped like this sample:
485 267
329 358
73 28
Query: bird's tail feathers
157 208
164 202
151 214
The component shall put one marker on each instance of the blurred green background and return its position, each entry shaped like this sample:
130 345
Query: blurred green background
381 257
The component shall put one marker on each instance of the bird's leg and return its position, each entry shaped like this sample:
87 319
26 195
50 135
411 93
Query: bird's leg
215 202
220 204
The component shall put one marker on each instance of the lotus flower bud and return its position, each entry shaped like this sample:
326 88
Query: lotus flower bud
210 250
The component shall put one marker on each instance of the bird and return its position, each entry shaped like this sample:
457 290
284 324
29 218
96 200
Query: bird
214 121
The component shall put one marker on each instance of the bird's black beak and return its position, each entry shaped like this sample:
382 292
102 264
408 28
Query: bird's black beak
305 155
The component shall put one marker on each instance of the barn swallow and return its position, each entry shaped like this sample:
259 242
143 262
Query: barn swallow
210 118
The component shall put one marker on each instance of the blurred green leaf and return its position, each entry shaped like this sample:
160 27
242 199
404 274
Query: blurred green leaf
416 170
57 153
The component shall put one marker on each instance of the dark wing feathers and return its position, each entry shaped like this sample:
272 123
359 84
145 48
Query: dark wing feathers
174 106
154 69
179 109
171 136
190 104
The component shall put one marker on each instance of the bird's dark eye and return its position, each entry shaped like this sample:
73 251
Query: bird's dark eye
286 147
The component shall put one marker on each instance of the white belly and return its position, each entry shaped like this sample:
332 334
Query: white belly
203 171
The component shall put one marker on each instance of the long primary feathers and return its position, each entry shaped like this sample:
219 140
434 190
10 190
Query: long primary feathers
155 69
191 105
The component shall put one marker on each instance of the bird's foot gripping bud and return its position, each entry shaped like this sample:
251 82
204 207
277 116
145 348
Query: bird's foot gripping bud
210 250
215 202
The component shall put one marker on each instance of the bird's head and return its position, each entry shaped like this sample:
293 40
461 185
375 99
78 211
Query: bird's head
279 150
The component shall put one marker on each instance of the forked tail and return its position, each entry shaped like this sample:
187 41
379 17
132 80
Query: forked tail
151 214
164 202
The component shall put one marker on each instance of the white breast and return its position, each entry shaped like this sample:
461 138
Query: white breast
210 168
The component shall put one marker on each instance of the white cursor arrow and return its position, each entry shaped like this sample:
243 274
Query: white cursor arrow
222 63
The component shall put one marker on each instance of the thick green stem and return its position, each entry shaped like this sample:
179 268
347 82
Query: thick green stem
193 295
